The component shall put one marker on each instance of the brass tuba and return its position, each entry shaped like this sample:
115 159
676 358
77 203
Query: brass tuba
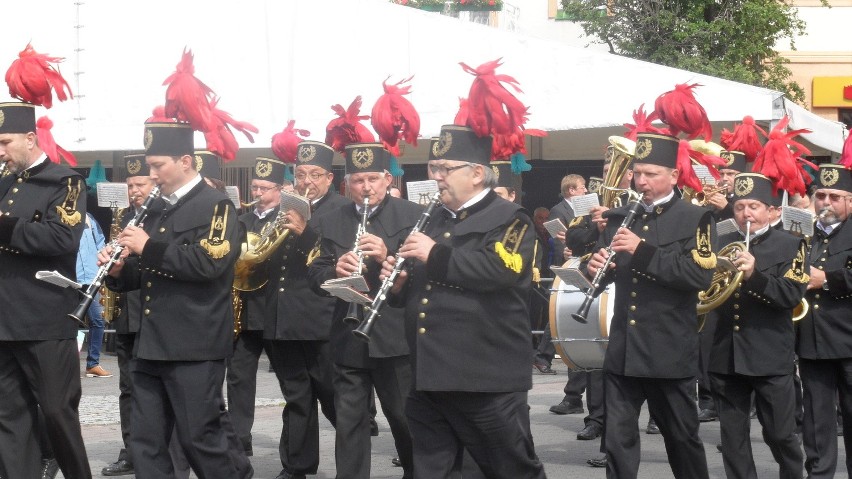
619 156
248 273
725 281
111 300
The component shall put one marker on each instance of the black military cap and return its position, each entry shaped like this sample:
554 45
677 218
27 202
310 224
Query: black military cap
656 149
505 176
17 117
366 158
736 160
754 186
835 177
208 164
135 165
432 142
269 170
460 143
315 153
168 139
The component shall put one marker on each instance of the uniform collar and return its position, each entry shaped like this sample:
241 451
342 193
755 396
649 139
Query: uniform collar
182 191
660 205
36 167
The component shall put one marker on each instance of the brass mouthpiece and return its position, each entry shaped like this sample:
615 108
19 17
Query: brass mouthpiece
250 204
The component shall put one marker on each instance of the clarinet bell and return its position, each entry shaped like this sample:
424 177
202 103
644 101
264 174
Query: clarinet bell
355 314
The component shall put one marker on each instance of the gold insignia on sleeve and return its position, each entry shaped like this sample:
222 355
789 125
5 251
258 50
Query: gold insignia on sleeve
797 270
68 212
575 222
312 255
508 248
703 253
215 244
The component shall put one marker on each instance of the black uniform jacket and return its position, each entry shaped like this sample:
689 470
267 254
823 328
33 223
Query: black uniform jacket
293 310
467 312
130 310
185 274
43 217
391 221
654 326
754 333
254 302
826 331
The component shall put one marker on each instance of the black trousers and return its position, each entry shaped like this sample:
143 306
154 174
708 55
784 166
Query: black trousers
184 396
124 353
352 386
304 370
242 383
493 427
775 401
43 374
705 344
671 405
822 381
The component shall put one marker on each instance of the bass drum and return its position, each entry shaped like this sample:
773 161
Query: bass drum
581 346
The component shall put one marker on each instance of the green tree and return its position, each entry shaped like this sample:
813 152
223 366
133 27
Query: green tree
731 39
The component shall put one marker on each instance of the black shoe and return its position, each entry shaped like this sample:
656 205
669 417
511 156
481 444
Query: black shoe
597 461
289 475
719 447
374 427
49 468
591 431
652 427
567 407
396 462
120 467
707 415
544 368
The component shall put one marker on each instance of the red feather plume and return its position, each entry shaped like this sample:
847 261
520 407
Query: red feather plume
744 138
463 113
32 77
347 127
492 109
394 117
712 162
188 98
158 115
642 123
682 113
846 156
285 145
48 144
220 139
780 160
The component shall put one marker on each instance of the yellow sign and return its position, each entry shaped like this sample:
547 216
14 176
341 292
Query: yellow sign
832 92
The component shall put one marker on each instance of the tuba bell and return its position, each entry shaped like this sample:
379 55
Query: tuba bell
619 156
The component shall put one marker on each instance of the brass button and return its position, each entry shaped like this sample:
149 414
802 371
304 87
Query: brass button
821 259
11 201
633 307
736 306
632 322
447 234
645 228
825 241
737 295
736 328
635 280
645 216
281 279
162 229
147 312
424 301
421 315
15 189
428 287
819 267
281 290
816 296
633 294
148 284
147 298
422 330
736 317
20 180
816 306
283 268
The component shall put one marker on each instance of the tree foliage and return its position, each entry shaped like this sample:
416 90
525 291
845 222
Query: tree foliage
731 39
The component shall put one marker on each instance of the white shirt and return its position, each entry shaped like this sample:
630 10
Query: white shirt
650 208
476 199
183 190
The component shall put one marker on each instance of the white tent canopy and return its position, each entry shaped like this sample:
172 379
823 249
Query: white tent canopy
271 61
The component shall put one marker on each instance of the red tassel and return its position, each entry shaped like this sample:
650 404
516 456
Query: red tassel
846 156
285 145
220 139
642 123
394 117
744 138
682 113
347 127
48 143
188 98
32 77
159 116
778 160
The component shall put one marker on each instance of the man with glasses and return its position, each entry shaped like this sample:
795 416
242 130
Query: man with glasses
383 362
266 178
824 342
298 321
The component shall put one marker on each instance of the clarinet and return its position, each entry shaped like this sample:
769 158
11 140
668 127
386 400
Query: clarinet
363 330
89 294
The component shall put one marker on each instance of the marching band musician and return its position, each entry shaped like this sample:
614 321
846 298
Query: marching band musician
383 362
824 342
662 262
126 324
182 264
265 188
752 349
41 223
473 266
298 322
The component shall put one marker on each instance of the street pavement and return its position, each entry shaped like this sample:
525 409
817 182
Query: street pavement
555 436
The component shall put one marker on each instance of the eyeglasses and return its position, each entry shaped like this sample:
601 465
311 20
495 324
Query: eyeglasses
444 170
262 189
831 196
313 176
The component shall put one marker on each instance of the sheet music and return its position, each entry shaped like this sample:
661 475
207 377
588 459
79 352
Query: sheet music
53 277
726 227
421 192
583 204
233 193
347 294
703 174
798 221
292 201
571 274
112 195
358 283
554 227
